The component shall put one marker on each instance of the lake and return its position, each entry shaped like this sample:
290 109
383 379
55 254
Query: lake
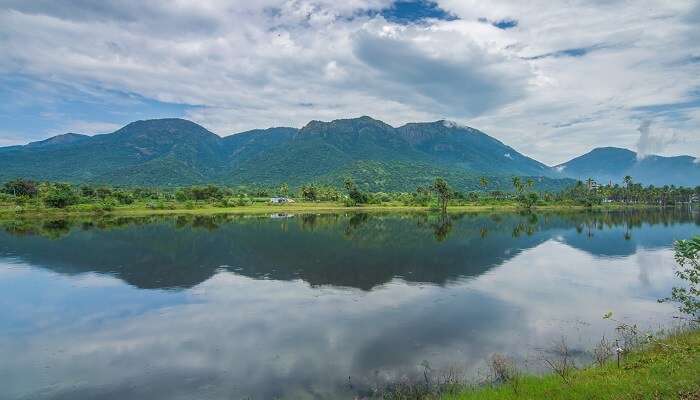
316 306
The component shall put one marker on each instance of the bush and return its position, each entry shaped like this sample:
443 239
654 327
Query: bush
243 201
20 187
60 196
354 193
528 200
81 207
687 254
105 205
6 198
349 202
124 197
226 202
156 205
201 193
309 192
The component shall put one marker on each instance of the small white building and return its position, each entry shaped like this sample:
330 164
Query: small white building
281 200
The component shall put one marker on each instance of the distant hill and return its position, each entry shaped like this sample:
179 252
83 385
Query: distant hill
606 164
60 140
174 152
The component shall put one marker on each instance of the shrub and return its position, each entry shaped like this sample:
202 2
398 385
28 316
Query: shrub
687 254
354 193
309 192
156 205
20 187
105 205
226 202
503 369
243 201
124 197
60 196
349 202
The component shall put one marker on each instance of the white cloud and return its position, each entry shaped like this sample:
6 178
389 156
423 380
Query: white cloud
570 76
652 141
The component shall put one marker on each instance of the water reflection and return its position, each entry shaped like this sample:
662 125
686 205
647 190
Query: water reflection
355 250
291 307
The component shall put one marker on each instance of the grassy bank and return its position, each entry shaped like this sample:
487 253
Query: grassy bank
298 207
667 369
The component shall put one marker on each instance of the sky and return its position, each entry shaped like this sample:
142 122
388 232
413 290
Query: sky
553 79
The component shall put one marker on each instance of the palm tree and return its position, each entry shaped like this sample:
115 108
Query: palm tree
517 184
529 183
628 183
628 180
443 191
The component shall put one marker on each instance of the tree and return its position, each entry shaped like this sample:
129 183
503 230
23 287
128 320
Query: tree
687 254
284 189
309 192
518 184
124 197
20 187
528 200
356 196
443 191
483 182
628 184
421 196
60 195
529 183
628 181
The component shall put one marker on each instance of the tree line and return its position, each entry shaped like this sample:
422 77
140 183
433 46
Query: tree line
439 194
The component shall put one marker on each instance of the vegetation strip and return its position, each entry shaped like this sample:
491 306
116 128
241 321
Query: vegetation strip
666 369
23 196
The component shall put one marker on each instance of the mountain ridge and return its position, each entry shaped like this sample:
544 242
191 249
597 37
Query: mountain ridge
612 164
178 152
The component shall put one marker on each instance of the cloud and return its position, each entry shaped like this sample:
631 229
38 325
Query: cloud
524 76
651 143
467 81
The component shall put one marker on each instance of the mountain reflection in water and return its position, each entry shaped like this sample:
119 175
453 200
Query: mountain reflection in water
253 306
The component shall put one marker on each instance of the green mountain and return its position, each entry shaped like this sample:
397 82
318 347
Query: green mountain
174 152
612 164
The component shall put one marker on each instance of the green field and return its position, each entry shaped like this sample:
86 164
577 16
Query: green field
205 208
667 369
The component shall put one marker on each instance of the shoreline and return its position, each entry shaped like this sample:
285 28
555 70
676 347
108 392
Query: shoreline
667 368
320 208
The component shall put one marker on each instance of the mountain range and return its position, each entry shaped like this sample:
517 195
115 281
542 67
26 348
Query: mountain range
176 152
612 164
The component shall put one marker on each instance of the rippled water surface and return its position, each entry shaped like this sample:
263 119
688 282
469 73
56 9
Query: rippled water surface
314 306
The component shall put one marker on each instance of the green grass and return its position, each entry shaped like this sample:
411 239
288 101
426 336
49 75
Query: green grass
204 208
669 369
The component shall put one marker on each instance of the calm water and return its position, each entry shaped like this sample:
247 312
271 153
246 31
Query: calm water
314 306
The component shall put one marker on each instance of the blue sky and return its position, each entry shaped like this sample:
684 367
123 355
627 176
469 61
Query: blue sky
552 79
